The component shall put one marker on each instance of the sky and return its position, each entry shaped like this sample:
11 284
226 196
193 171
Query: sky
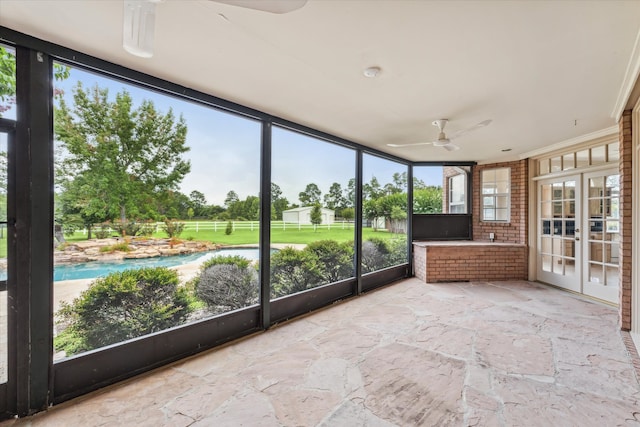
225 149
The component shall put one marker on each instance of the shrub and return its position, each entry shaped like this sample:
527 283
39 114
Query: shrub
129 228
227 283
380 253
121 247
102 231
294 271
147 229
374 254
335 260
121 306
173 228
229 228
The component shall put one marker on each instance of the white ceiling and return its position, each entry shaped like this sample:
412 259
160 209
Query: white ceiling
543 71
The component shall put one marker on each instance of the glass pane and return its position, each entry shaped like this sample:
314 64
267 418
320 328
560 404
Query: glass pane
558 267
546 192
570 209
546 210
557 209
544 167
613 185
569 228
596 187
613 152
503 174
545 245
557 228
502 214
570 190
429 197
612 253
384 242
595 251
141 215
546 263
569 267
596 273
582 158
546 227
557 191
502 202
488 214
598 155
8 83
557 247
502 187
312 211
612 276
489 188
595 208
568 161
556 164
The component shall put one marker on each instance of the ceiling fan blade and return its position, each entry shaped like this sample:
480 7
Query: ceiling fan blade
271 6
451 147
408 145
472 128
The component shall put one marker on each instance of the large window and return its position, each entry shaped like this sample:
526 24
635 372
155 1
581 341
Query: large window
385 214
156 212
496 194
312 213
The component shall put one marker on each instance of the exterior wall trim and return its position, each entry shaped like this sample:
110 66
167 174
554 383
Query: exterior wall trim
628 83
595 138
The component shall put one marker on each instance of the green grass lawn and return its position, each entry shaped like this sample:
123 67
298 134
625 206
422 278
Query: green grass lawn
240 236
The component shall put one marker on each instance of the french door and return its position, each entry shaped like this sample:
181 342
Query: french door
578 233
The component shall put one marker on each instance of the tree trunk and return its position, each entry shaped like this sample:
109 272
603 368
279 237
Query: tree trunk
123 214
89 232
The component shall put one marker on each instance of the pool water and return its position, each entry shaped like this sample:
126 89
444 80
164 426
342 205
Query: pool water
90 270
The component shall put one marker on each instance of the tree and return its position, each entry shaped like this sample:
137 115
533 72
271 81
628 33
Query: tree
231 198
316 216
372 190
198 203
427 200
278 203
124 156
334 198
350 193
8 78
310 196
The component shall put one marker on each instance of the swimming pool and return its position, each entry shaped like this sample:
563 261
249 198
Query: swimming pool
90 270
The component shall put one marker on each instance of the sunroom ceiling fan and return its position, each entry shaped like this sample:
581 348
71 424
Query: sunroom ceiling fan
140 15
444 141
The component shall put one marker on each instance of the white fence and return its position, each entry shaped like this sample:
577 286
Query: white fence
221 226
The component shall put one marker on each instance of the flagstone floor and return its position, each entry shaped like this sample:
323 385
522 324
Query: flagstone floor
460 354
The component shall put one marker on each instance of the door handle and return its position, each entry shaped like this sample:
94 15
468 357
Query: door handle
577 238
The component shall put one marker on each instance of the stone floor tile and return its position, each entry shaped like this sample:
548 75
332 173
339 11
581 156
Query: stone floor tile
464 354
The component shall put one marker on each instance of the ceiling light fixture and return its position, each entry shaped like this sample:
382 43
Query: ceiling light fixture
139 26
372 72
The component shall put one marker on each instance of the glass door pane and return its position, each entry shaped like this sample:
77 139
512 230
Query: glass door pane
558 252
602 245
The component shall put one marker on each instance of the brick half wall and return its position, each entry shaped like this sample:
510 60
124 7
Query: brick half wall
469 261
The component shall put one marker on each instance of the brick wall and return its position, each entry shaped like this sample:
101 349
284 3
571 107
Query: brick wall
471 262
626 174
515 231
